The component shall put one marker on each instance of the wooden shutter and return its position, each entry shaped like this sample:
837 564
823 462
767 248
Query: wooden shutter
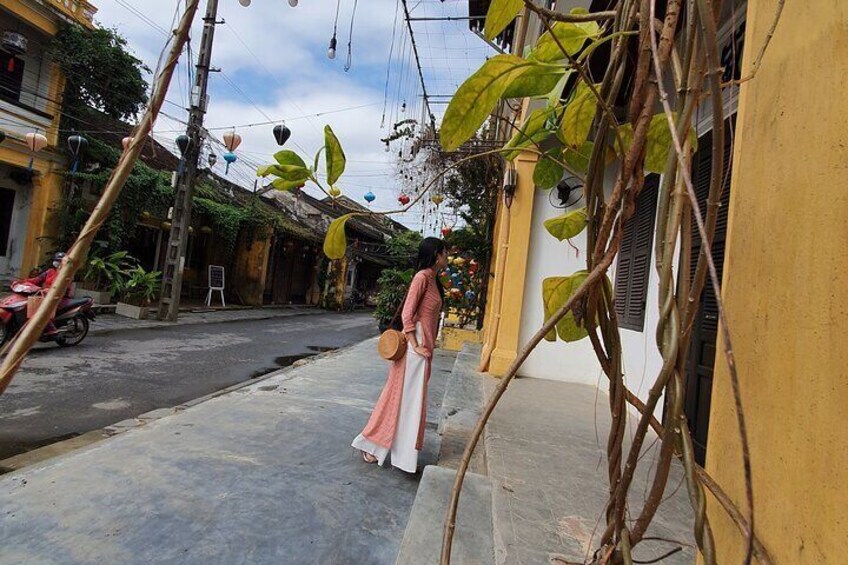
702 165
634 259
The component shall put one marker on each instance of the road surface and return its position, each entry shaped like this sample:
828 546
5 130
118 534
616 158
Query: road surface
61 393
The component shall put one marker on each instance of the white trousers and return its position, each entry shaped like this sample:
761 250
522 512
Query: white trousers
404 454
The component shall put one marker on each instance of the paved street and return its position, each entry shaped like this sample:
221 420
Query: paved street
261 475
117 375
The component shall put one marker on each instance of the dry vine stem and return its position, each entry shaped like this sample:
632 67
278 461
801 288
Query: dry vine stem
79 250
694 60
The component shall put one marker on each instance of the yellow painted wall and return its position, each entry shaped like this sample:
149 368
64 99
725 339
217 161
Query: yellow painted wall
785 288
515 266
250 268
47 184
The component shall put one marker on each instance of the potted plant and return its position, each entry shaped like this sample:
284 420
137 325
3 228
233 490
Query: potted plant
392 286
104 276
139 289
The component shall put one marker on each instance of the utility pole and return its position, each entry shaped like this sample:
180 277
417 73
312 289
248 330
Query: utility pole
172 279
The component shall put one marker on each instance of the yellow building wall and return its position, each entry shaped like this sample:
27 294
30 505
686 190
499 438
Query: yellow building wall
48 181
785 288
250 268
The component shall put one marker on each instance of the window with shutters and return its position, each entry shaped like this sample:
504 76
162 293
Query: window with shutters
634 259
11 76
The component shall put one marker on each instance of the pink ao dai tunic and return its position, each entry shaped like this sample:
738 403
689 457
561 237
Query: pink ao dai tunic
397 422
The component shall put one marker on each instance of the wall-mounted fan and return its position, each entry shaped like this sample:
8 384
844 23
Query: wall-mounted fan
566 193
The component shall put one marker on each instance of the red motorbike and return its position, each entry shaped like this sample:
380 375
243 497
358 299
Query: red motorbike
72 315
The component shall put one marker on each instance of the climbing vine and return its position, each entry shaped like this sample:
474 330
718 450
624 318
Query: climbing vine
607 131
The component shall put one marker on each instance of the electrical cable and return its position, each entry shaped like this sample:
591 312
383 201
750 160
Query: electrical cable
349 60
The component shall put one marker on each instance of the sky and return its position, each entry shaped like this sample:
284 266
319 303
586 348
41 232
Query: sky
274 67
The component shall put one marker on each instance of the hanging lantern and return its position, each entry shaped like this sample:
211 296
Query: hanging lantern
446 231
470 296
293 3
36 142
212 159
232 140
205 230
183 141
369 197
244 3
437 199
230 158
403 199
281 134
331 51
166 226
77 146
125 143
335 192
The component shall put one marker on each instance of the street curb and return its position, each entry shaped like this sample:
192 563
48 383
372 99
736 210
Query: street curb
166 325
24 460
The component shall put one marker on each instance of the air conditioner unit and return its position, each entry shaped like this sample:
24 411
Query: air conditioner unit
14 42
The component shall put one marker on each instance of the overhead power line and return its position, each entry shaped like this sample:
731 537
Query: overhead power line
418 62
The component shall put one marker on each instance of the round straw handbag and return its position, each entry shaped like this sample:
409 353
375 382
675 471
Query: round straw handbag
392 345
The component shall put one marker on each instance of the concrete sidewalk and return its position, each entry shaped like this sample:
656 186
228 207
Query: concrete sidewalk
538 479
261 475
112 322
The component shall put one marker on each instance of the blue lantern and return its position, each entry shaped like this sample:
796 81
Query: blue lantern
470 296
229 157
369 197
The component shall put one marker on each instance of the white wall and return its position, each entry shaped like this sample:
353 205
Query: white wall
576 362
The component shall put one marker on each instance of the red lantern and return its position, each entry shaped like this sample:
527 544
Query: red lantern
403 199
446 231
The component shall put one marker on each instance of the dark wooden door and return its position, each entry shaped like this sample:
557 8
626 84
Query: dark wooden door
702 351
7 204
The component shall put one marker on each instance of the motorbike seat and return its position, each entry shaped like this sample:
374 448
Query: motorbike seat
73 303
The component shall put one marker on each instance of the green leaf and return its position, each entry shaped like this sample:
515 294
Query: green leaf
658 143
335 242
536 81
572 37
335 156
291 172
547 172
286 185
265 170
317 157
568 225
578 117
476 97
555 95
532 132
555 293
288 157
578 158
500 14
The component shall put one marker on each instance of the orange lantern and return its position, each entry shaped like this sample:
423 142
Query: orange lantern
232 140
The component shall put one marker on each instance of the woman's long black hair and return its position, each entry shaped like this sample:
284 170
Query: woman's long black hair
428 251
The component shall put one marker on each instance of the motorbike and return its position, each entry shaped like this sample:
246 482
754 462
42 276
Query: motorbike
72 316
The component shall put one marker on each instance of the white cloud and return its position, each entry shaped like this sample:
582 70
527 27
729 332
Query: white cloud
284 70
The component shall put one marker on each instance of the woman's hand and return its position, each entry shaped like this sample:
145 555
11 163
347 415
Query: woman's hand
422 351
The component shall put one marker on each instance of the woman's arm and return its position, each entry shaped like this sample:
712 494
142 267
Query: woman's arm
410 308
